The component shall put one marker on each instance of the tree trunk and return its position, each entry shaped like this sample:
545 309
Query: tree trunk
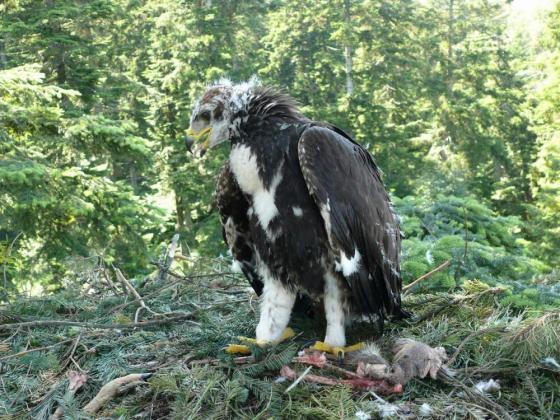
348 48
3 59
450 37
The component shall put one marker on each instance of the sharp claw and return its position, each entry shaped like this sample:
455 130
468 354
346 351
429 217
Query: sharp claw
339 355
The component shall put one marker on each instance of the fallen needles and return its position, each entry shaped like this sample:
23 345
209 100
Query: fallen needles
471 336
174 317
495 409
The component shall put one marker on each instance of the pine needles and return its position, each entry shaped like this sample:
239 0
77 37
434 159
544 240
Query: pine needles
194 378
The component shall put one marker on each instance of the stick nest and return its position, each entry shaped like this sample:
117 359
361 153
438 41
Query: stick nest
180 369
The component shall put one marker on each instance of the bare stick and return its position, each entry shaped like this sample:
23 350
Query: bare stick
72 351
424 277
174 318
113 388
109 281
130 287
298 380
22 353
130 325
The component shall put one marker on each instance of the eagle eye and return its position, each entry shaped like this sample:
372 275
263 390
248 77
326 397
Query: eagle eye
205 115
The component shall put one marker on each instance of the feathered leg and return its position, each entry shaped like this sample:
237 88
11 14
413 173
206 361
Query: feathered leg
276 308
334 312
335 338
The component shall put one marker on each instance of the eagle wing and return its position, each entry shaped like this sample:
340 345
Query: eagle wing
233 208
361 226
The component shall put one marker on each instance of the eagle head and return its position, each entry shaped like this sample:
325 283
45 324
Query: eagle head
212 114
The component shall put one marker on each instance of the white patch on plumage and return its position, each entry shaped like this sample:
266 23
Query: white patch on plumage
298 212
349 266
263 202
276 306
236 266
334 312
326 215
245 168
242 93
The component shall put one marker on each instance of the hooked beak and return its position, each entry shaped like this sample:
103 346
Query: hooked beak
201 138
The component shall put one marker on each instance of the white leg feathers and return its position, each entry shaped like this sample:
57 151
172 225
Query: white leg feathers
276 308
334 312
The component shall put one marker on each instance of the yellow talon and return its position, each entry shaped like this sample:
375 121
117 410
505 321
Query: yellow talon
354 347
336 351
244 349
287 334
237 349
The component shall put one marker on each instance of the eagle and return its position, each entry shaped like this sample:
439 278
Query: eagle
304 211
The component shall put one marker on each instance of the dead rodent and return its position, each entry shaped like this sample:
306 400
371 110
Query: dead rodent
410 359
418 359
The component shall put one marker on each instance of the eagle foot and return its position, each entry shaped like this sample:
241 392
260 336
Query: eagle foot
245 348
337 351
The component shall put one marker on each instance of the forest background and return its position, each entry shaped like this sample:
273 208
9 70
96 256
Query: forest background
458 100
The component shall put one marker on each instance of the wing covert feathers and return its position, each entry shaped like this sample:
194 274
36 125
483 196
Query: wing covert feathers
359 220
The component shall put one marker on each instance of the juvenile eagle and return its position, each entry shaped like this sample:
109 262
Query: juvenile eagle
304 210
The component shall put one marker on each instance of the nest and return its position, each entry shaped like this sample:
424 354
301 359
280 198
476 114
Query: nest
153 347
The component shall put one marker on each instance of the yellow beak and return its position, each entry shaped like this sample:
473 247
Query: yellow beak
202 137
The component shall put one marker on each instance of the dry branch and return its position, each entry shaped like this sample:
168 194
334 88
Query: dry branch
93 325
22 353
131 288
407 288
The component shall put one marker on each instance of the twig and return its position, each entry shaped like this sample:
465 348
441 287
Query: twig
109 281
298 380
130 287
22 353
456 300
70 357
111 389
407 288
130 325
